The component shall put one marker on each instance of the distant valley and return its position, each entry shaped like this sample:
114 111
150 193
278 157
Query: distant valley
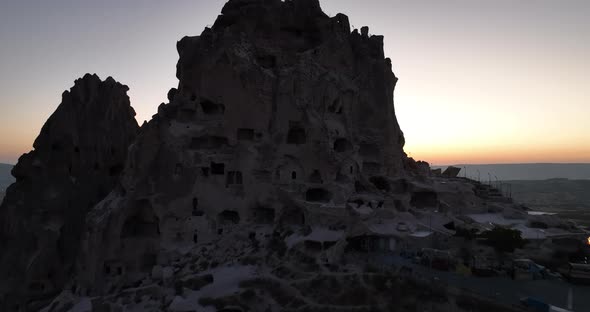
504 172
5 178
560 188
569 198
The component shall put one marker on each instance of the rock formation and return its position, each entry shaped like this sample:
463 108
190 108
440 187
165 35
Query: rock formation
281 115
76 162
275 167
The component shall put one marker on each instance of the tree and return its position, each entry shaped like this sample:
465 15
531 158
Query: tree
467 233
504 239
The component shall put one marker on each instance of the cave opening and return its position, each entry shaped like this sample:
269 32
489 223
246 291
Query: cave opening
141 226
292 215
335 107
211 108
318 195
228 217
233 178
316 177
380 183
244 134
263 215
424 199
342 145
296 135
196 211
217 168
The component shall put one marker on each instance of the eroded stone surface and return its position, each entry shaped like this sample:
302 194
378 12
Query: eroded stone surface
76 162
270 177
280 111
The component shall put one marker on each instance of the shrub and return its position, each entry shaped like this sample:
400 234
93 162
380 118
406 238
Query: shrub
468 234
503 239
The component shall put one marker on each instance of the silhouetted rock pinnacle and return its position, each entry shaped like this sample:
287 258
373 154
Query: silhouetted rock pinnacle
76 162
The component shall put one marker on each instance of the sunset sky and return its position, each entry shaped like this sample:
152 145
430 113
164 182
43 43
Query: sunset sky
480 81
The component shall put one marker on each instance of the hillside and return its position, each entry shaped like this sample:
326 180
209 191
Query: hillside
560 188
504 172
5 178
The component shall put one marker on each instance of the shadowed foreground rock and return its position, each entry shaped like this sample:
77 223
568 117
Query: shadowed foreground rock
76 162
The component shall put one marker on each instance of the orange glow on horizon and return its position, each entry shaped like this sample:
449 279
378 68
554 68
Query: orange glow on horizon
510 88
436 154
459 154
453 159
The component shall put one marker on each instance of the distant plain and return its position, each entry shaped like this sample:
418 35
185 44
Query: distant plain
568 198
558 188
5 178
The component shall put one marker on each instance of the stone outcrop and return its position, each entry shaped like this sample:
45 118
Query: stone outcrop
76 162
266 183
281 117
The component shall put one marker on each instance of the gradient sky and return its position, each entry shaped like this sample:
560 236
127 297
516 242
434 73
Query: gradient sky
480 81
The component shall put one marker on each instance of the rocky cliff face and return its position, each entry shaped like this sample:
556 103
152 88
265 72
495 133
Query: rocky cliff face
266 183
76 162
282 116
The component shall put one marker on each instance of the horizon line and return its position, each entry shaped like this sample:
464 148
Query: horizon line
462 164
516 163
